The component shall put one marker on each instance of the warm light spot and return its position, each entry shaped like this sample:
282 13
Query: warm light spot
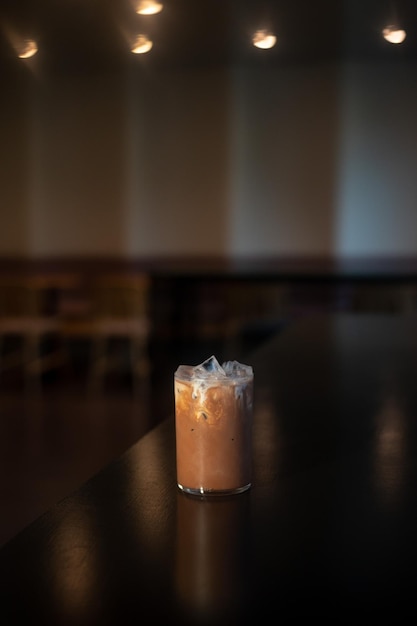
393 34
149 7
141 45
390 450
264 39
28 49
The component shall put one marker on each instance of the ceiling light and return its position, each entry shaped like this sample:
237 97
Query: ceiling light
141 45
264 39
27 49
149 7
393 34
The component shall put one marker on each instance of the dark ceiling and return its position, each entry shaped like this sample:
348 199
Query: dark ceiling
92 35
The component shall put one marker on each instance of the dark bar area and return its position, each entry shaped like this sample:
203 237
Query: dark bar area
183 180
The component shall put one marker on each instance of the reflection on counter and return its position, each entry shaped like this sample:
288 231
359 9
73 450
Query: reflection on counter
212 549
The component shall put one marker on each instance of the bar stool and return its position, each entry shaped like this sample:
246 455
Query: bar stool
25 324
116 308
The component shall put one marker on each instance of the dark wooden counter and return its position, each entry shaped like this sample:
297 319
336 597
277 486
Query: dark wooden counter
327 530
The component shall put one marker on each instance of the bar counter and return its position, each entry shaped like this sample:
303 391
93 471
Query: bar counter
327 529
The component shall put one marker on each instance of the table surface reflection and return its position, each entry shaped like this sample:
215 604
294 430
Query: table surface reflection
326 530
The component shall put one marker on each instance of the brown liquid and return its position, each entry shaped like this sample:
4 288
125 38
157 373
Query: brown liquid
213 435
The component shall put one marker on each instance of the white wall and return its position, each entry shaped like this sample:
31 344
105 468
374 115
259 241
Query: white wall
78 147
377 187
285 137
292 161
178 164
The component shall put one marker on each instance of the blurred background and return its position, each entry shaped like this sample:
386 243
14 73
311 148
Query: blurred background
207 145
169 190
247 184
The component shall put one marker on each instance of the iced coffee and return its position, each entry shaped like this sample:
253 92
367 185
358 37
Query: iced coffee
213 422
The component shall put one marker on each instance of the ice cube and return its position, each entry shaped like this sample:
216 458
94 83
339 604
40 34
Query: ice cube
234 369
210 368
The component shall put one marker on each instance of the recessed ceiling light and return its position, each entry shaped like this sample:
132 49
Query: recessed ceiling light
27 49
264 39
149 7
393 34
141 45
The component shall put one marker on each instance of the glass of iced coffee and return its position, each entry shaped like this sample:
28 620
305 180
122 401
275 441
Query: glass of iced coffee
213 423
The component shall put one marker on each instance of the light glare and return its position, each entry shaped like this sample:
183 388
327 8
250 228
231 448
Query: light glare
141 45
393 34
149 7
264 39
28 49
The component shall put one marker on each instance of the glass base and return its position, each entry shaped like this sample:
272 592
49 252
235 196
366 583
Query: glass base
213 492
